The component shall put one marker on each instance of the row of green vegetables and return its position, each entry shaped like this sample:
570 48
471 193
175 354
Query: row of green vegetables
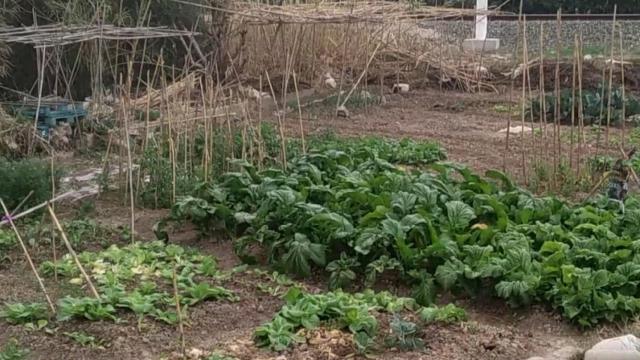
139 278
351 210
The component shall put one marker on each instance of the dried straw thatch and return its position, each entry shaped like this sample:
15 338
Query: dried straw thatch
333 12
59 34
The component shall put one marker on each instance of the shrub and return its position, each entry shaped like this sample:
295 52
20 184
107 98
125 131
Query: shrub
19 177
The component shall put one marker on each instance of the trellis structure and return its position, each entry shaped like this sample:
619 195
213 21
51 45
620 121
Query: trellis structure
61 35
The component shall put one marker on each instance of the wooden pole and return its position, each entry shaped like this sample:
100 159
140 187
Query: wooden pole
179 313
525 71
609 96
36 208
72 252
132 203
543 98
624 96
556 125
26 254
573 99
295 84
580 106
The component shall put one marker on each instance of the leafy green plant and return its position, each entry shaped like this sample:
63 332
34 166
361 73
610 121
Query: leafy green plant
7 242
437 226
302 252
85 339
352 312
88 308
447 314
593 101
203 291
13 351
341 271
134 278
21 177
406 334
19 313
219 356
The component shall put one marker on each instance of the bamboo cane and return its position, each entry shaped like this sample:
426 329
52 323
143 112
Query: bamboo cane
295 84
179 313
556 131
624 97
581 138
72 252
525 60
613 30
573 99
543 100
26 254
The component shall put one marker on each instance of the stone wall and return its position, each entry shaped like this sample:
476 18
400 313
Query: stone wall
596 34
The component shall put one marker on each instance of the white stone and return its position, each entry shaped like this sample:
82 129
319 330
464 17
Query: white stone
342 112
485 45
588 57
566 353
329 81
401 88
515 129
621 348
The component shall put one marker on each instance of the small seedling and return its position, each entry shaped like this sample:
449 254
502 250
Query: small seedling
85 339
406 334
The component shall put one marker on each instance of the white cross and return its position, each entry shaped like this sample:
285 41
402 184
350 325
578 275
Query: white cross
481 19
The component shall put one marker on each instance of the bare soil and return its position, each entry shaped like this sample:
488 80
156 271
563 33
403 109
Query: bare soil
466 125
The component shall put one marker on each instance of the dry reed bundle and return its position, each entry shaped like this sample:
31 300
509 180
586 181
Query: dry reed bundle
333 12
403 52
155 97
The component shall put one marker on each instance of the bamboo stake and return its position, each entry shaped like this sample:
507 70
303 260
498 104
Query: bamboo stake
172 155
528 99
283 147
556 131
573 99
295 84
344 102
613 30
36 208
40 86
72 252
53 233
513 84
581 138
205 153
26 254
125 120
261 155
543 98
179 313
146 131
525 60
344 63
106 171
624 97
22 203
604 72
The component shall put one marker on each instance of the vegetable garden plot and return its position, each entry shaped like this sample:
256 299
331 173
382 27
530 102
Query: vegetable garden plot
354 312
137 278
357 215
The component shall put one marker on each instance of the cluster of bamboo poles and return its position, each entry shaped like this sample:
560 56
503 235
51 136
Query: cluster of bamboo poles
545 146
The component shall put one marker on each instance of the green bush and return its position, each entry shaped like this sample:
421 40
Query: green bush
19 177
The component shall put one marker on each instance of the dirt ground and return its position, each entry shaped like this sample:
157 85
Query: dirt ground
466 125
